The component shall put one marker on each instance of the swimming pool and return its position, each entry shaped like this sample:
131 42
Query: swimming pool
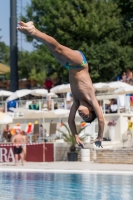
59 186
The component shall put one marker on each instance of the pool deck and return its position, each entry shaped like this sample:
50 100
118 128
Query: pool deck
79 167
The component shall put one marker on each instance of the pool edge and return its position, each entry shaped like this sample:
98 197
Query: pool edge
65 171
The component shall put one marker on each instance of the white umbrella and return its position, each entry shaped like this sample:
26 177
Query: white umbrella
42 93
99 86
55 89
51 94
5 119
114 85
5 93
125 90
18 94
64 88
39 92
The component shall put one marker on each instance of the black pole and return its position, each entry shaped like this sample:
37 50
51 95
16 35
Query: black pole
13 47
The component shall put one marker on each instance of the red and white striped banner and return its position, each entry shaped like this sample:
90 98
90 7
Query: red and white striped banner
4 145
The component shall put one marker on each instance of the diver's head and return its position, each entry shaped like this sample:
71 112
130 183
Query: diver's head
87 113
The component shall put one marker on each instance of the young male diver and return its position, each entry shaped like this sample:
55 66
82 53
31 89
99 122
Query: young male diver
84 100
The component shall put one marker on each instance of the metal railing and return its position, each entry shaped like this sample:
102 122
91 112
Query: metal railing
61 103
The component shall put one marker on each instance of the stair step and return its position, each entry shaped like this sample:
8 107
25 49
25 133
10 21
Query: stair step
120 156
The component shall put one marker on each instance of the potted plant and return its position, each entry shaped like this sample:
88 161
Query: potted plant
111 125
68 137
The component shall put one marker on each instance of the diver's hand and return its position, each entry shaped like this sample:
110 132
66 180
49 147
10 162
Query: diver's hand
98 142
27 28
79 142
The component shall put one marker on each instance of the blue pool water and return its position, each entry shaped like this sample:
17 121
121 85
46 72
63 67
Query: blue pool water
59 186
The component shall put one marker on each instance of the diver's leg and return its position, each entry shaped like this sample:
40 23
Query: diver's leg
62 53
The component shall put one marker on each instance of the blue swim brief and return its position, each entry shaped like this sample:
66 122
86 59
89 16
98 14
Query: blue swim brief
84 62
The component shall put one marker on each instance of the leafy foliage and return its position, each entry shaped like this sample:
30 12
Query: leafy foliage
126 10
102 30
39 77
31 65
4 52
4 56
68 137
91 26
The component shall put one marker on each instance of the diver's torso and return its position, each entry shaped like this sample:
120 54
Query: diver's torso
81 84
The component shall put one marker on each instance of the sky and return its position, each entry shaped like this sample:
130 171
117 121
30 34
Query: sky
5 26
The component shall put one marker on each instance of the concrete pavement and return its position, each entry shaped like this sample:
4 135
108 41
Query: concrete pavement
89 167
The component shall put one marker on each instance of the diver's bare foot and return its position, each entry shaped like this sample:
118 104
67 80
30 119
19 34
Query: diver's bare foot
27 28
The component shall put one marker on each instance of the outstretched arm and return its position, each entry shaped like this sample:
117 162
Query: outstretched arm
71 118
71 122
100 118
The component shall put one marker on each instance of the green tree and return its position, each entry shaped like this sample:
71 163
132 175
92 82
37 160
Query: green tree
4 52
39 77
126 10
29 61
92 26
